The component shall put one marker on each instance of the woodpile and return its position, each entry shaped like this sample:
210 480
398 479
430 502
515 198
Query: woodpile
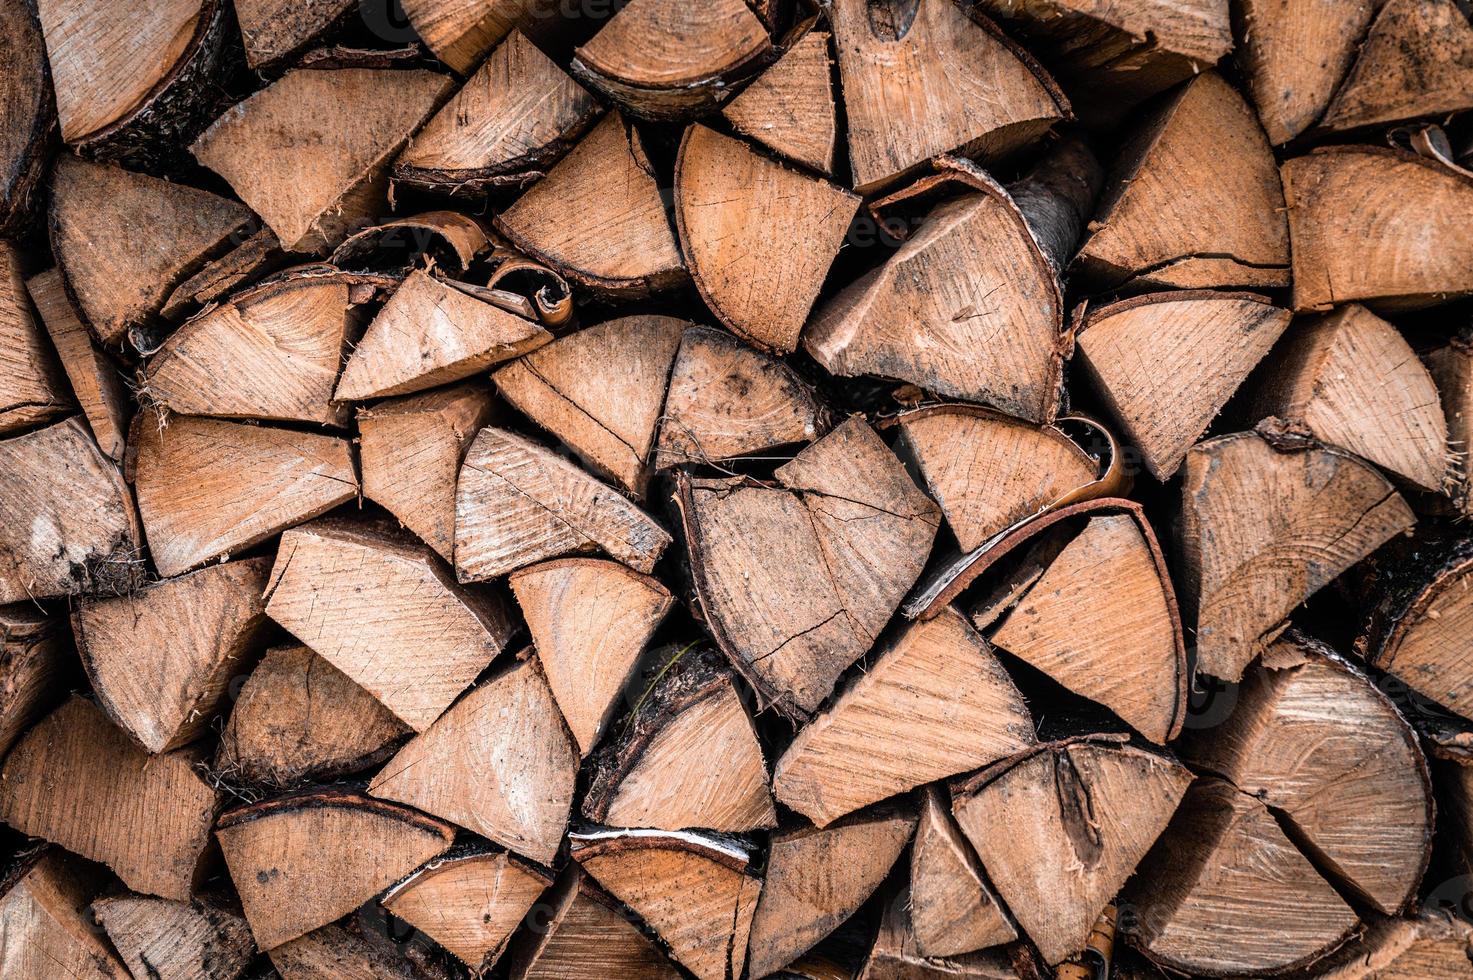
811 489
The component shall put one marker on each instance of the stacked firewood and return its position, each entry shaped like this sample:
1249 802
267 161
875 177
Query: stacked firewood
736 488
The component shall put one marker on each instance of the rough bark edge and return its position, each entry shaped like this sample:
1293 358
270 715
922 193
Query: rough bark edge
1086 315
1406 591
718 848
334 798
441 228
20 205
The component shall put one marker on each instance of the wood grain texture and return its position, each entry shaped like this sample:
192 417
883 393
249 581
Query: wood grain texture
895 954
789 108
356 951
202 939
37 668
1294 54
27 115
275 30
953 909
32 389
459 32
96 381
1451 367
1430 946
46 923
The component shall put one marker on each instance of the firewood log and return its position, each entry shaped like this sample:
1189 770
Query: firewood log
44 898
27 116
797 579
896 955
789 108
203 939
1061 827
1451 367
1430 946
276 31
688 757
953 909
445 240
352 950
694 890
460 32
77 781
300 861
161 659
95 379
258 255
32 389
36 668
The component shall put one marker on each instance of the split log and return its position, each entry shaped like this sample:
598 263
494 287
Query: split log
953 909
666 59
301 861
67 522
590 620
789 108
27 115
47 926
757 236
94 378
1061 827
519 503
817 878
207 488
1166 363
1194 200
160 939
460 32
386 611
1451 367
276 31
1267 520
598 217
893 728
77 781
1430 946
311 152
95 209
1398 208
430 333
258 255
32 391
36 668
693 890
796 579
298 718
411 449
688 757
356 951
511 121
499 763
445 240
984 97
161 659
727 400
470 903
895 954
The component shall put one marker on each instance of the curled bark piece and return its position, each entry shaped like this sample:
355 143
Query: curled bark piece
546 290
953 909
32 391
1294 55
275 31
95 379
459 32
36 668
448 239
203 938
27 116
790 107
44 898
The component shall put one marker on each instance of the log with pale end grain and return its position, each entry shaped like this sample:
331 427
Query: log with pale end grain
590 620
67 521
789 108
1060 828
499 763
688 757
1433 945
96 381
896 955
460 32
1194 201
923 79
45 921
445 240
519 503
257 255
32 389
207 487
276 31
1225 868
1268 518
598 217
77 781
758 236
1377 226
695 890
311 152
359 950
118 277
817 878
303 860
797 578
161 659
727 400
36 668
27 115
512 120
953 909
469 902
1293 55
894 727
201 939
410 450
1451 367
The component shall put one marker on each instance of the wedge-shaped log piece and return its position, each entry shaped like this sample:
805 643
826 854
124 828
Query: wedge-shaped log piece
689 757
459 32
519 503
598 217
310 152
1166 363
67 523
411 449
246 263
515 117
274 31
119 278
1377 226
1194 200
590 620
470 903
1431 946
818 878
984 97
77 781
301 861
357 950
202 939
693 890
1354 382
1264 528
1061 828
430 333
207 488
1293 56
161 659
953 909
48 929
500 763
27 115
1451 367
790 107
600 391
1224 867
885 733
896 955
32 391
387 612
95 379
666 59
797 579
36 668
